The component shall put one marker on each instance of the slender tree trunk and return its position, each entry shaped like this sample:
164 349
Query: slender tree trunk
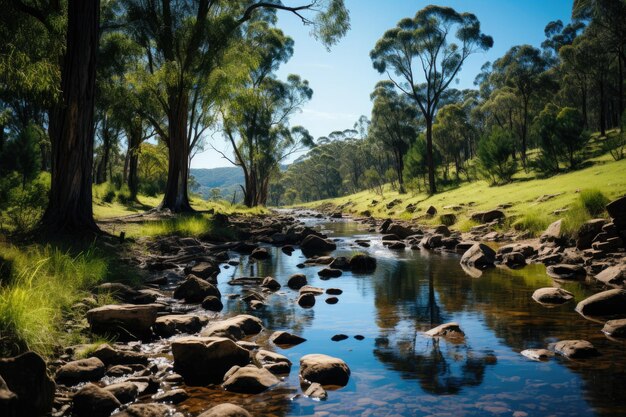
583 96
620 89
134 139
176 197
3 139
430 160
72 128
602 107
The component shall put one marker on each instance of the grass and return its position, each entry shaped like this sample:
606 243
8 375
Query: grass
533 201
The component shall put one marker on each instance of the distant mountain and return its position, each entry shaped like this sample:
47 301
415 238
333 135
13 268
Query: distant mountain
226 180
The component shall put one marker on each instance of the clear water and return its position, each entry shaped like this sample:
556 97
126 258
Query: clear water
397 371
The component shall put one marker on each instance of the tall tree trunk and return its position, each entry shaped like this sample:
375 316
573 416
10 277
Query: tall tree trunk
430 160
134 141
602 106
176 197
3 139
72 128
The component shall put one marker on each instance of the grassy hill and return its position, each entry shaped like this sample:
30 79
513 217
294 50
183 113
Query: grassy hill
226 179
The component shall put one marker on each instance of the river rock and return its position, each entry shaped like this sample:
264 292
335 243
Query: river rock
204 270
316 391
575 349
615 328
334 291
514 260
146 410
26 376
166 326
203 360
125 293
296 281
174 396
93 401
306 300
212 303
194 290
551 295
249 380
362 263
447 330
110 356
274 362
8 400
487 216
235 328
332 300
479 256
613 275
313 244
587 232
431 211
125 392
399 230
226 410
324 369
606 303
271 284
340 262
329 273
260 253
538 354
123 319
566 271
309 289
553 233
82 370
282 338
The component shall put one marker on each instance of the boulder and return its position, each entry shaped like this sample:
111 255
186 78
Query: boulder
551 295
306 300
566 271
226 410
170 325
538 354
447 218
446 330
617 208
324 369
203 360
514 260
296 281
606 303
235 328
126 320
479 256
313 244
339 337
340 262
316 391
329 273
249 380
174 396
125 392
431 211
575 349
399 230
194 290
271 284
26 376
82 370
260 253
283 339
125 293
308 289
146 410
93 401
587 232
8 400
487 216
274 362
204 270
431 241
615 328
110 356
384 226
613 275
212 303
362 263
332 300
553 233
397 246
334 291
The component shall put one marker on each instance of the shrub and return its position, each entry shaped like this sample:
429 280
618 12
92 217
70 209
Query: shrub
26 205
594 201
495 156
532 221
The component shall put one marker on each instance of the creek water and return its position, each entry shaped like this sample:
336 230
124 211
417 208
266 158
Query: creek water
396 369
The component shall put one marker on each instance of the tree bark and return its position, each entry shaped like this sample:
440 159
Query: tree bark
430 162
72 128
134 141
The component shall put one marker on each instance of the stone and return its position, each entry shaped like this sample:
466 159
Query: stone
397 246
334 291
312 290
203 360
249 380
384 226
194 290
446 330
487 216
8 400
125 293
613 275
146 410
341 262
587 232
551 295
538 354
316 391
296 281
282 338
606 303
566 272
399 230
553 233
93 401
271 284
274 362
82 370
125 320
431 241
119 370
615 328
306 300
110 356
26 376
235 328
324 369
329 273
479 256
287 249
167 326
313 244
443 230
226 410
212 303
575 349
617 208
204 270
260 253
332 300
362 263
431 211
174 396
339 337
514 260
125 392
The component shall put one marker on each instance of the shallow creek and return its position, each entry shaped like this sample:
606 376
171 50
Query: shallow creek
396 369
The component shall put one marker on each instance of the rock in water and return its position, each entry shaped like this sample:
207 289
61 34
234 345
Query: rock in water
575 349
26 376
203 360
126 320
606 303
615 328
362 263
194 290
235 328
93 401
316 391
169 325
447 330
125 392
479 256
537 354
324 369
249 380
83 370
146 410
226 410
566 272
313 244
286 339
296 281
306 300
551 295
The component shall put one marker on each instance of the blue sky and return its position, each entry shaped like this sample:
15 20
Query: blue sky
343 78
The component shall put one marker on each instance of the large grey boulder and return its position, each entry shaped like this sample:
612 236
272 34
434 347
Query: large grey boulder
126 320
26 376
324 369
606 303
203 360
479 256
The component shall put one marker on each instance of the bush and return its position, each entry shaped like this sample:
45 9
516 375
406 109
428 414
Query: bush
594 201
25 205
532 221
495 156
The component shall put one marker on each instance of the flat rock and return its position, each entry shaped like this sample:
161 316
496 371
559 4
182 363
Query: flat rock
110 356
615 328
447 330
487 216
170 325
479 256
125 392
606 303
324 369
334 291
174 396
202 360
203 270
575 349
538 354
82 370
146 410
566 271
316 391
93 401
613 275
226 410
329 273
235 328
274 362
127 320
271 284
249 380
551 295
194 290
308 289
283 338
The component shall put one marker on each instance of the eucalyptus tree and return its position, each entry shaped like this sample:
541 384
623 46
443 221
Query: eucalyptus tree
186 43
422 48
394 124
452 133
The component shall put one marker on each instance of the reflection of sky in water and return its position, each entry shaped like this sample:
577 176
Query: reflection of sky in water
397 371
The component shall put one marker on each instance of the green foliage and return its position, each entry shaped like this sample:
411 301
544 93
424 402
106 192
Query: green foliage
615 143
594 201
22 154
495 157
196 225
534 221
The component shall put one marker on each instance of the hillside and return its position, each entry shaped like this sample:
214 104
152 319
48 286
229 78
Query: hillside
226 179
